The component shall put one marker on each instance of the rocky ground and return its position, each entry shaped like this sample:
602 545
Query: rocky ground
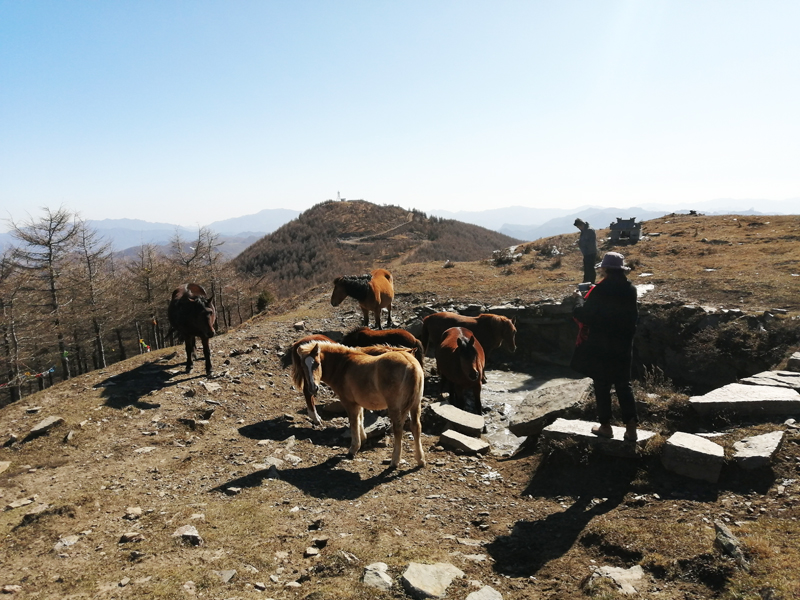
158 483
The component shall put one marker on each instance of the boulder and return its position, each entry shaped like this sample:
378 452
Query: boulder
376 576
693 456
628 581
542 406
46 425
794 363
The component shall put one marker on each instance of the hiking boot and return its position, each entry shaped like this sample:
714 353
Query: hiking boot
631 434
603 430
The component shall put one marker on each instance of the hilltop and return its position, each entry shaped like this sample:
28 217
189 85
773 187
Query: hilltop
349 237
145 449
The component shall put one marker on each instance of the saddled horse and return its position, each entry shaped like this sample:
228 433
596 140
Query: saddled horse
192 314
373 292
393 380
364 336
459 362
491 330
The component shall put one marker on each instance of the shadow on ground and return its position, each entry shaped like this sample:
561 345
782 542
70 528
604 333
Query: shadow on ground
599 486
320 481
129 388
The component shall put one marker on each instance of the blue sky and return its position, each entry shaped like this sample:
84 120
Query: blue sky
191 112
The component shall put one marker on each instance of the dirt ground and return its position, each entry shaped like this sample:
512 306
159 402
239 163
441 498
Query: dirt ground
145 449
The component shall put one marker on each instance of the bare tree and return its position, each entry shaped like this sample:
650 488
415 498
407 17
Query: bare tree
12 282
46 245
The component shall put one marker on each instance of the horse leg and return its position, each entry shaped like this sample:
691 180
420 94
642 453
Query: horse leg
365 311
356 416
190 341
207 353
389 323
397 419
416 431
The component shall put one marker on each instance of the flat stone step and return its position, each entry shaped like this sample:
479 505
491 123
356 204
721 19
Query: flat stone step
562 429
787 379
757 451
794 362
693 456
454 440
447 416
742 399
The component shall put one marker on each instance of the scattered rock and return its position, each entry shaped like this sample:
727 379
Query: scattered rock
729 544
210 386
629 581
12 439
299 326
376 575
124 581
464 443
131 536
20 503
757 451
46 425
429 581
66 542
4 464
227 575
485 593
144 449
11 589
189 533
692 456
70 436
190 588
311 551
794 363
132 513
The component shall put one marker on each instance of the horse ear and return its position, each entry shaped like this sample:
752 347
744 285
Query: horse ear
471 342
211 300
314 351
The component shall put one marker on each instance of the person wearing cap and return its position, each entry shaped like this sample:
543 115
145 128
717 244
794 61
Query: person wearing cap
587 243
604 348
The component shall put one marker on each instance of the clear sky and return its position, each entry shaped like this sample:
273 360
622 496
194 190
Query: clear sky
193 111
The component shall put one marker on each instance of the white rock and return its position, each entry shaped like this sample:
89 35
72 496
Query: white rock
757 451
429 581
46 425
485 593
458 441
741 399
376 575
628 580
692 456
453 418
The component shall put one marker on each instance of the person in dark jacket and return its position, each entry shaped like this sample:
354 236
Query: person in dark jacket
587 244
604 348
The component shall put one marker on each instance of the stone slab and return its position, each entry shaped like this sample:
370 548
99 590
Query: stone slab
693 456
742 399
454 440
45 425
794 362
787 379
757 451
451 417
542 406
562 429
485 593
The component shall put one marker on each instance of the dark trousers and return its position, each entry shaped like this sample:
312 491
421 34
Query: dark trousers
589 261
627 405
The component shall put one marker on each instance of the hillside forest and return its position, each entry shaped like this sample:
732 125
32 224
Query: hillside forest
69 305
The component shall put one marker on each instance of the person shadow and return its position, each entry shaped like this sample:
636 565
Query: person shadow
597 487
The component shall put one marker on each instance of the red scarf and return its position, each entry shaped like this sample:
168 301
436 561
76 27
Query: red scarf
583 329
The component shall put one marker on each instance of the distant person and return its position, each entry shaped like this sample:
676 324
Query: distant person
587 243
607 317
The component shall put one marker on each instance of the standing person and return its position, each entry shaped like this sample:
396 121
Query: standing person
604 349
587 243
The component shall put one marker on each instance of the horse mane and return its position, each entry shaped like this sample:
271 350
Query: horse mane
356 286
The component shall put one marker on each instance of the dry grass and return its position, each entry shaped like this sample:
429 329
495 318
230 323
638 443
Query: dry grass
548 516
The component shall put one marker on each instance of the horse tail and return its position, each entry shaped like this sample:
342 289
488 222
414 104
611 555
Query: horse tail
423 338
419 353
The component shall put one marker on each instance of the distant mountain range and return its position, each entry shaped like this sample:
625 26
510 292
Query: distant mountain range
518 222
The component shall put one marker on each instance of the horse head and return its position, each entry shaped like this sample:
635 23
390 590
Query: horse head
468 357
312 366
339 292
507 332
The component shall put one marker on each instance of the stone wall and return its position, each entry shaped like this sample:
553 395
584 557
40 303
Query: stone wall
698 347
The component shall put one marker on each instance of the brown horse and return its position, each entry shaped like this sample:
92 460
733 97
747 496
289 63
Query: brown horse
393 380
293 358
192 314
364 336
460 361
491 330
373 293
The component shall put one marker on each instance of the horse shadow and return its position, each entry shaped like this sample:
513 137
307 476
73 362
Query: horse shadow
322 481
599 487
129 388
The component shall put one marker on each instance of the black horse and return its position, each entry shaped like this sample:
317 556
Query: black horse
192 314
